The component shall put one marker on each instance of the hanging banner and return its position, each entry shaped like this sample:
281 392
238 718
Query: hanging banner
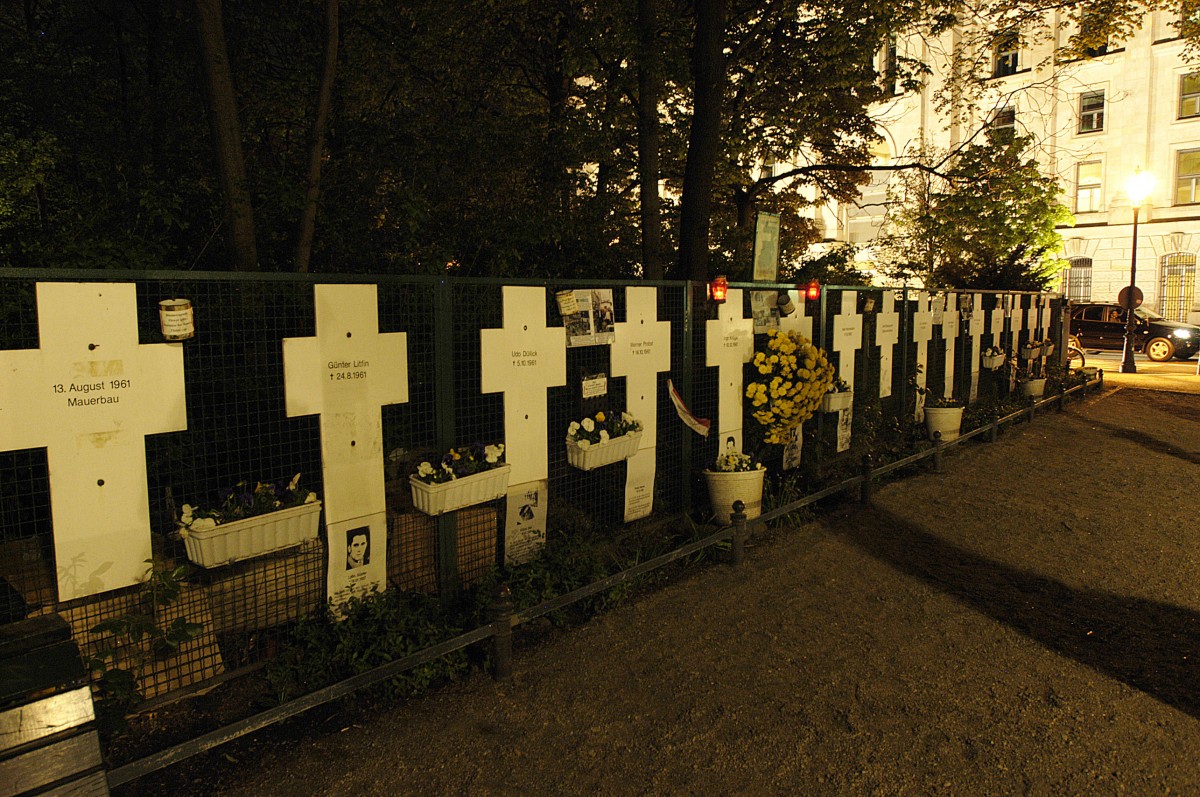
698 425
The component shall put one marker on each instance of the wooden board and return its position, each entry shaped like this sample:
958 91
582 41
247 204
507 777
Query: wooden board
47 764
34 721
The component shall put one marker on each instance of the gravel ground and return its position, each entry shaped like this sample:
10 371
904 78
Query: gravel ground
1004 627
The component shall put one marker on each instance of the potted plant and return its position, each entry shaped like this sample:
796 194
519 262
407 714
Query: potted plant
602 439
992 358
250 522
943 417
466 475
838 397
1031 384
1031 350
735 477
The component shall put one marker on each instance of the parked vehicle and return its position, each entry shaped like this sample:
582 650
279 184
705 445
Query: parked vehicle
1101 325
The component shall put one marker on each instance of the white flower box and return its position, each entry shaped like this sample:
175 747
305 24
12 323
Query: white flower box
253 536
992 361
598 455
1031 352
437 499
835 402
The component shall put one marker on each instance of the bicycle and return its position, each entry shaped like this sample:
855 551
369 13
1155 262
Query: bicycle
1075 355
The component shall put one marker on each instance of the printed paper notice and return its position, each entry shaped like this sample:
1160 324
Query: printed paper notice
639 485
525 522
357 557
591 321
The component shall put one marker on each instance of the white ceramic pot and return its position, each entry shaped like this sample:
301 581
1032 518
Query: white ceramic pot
946 421
725 488
1034 387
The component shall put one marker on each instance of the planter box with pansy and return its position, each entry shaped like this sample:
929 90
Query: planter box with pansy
250 522
602 439
465 476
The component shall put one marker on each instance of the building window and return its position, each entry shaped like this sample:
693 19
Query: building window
1189 95
1091 112
1177 285
1187 177
1077 279
1006 54
889 67
1087 187
1004 124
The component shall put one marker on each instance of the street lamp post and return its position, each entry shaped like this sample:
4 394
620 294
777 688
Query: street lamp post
1138 189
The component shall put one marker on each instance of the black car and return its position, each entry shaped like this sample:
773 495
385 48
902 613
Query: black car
1101 325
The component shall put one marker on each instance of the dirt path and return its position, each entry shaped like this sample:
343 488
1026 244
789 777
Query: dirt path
1002 628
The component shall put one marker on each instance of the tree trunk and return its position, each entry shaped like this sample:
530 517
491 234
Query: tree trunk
316 140
649 90
704 138
227 134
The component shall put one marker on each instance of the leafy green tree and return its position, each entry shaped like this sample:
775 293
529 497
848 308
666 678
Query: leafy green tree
987 219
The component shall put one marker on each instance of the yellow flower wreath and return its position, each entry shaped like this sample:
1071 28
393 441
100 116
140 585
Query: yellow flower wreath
793 376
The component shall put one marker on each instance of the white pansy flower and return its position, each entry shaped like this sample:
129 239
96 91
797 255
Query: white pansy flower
588 425
424 469
603 435
573 428
203 524
583 443
625 416
492 453
188 511
294 482
311 498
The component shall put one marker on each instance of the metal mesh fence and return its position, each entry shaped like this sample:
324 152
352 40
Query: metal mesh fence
238 431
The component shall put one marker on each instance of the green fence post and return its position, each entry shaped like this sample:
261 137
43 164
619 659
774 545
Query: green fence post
443 387
685 390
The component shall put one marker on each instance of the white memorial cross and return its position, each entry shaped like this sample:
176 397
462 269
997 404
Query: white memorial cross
799 321
847 339
729 343
975 332
847 336
887 335
996 327
90 395
922 334
641 349
345 374
950 337
523 359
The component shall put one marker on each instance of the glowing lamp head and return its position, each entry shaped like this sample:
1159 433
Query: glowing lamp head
718 287
1139 187
812 291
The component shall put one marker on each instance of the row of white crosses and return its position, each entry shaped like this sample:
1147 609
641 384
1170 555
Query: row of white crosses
91 393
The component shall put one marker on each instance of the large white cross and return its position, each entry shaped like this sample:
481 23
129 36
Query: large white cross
522 360
729 343
847 336
922 334
90 395
950 337
641 349
799 321
345 374
996 326
975 331
887 334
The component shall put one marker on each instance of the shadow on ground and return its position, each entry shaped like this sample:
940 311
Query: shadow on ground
1153 647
